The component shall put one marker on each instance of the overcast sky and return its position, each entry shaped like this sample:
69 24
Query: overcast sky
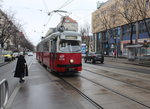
33 14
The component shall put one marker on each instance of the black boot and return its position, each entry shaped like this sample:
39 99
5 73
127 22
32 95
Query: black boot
21 80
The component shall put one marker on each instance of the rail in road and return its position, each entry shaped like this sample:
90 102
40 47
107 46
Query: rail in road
107 92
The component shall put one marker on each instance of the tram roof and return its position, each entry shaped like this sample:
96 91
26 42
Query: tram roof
61 33
68 33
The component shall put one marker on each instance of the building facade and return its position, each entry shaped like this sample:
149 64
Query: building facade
116 24
68 23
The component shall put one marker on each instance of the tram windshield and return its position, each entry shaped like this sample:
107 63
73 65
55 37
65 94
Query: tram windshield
69 46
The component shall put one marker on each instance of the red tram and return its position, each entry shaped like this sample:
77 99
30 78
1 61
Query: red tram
61 51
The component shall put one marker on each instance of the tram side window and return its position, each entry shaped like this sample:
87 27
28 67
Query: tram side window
53 45
46 46
40 48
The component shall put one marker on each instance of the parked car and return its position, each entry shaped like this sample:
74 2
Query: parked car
7 57
94 57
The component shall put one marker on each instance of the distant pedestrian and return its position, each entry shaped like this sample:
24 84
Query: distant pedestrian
21 68
115 54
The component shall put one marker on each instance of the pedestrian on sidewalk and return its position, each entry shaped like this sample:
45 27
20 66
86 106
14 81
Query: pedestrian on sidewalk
21 68
115 54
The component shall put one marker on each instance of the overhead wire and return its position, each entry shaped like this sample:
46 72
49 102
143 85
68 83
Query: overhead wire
46 8
66 3
27 8
44 3
50 13
45 25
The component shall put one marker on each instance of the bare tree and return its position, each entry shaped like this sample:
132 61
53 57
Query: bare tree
85 30
11 31
126 8
107 19
6 27
82 31
142 9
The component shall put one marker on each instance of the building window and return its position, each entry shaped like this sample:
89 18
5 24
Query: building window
142 28
148 24
126 29
99 36
134 28
107 35
112 33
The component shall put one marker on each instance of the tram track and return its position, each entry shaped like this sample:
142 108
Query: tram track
117 92
119 80
125 95
79 92
82 94
123 74
105 87
92 100
129 67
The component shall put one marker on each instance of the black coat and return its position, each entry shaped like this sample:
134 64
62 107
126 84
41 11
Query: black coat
21 67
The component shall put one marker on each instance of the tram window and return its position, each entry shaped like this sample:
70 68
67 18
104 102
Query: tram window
37 48
46 46
69 46
40 48
53 45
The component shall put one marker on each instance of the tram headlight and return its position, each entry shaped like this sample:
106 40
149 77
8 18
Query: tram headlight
71 61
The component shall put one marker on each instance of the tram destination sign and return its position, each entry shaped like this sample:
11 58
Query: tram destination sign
71 37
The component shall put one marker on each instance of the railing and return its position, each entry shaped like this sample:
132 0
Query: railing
3 93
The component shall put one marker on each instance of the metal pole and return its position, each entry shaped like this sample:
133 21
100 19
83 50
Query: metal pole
3 93
1 96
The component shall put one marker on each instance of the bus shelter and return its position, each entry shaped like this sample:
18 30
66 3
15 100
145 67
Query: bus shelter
138 52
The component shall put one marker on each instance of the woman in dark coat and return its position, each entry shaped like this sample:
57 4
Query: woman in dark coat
21 68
